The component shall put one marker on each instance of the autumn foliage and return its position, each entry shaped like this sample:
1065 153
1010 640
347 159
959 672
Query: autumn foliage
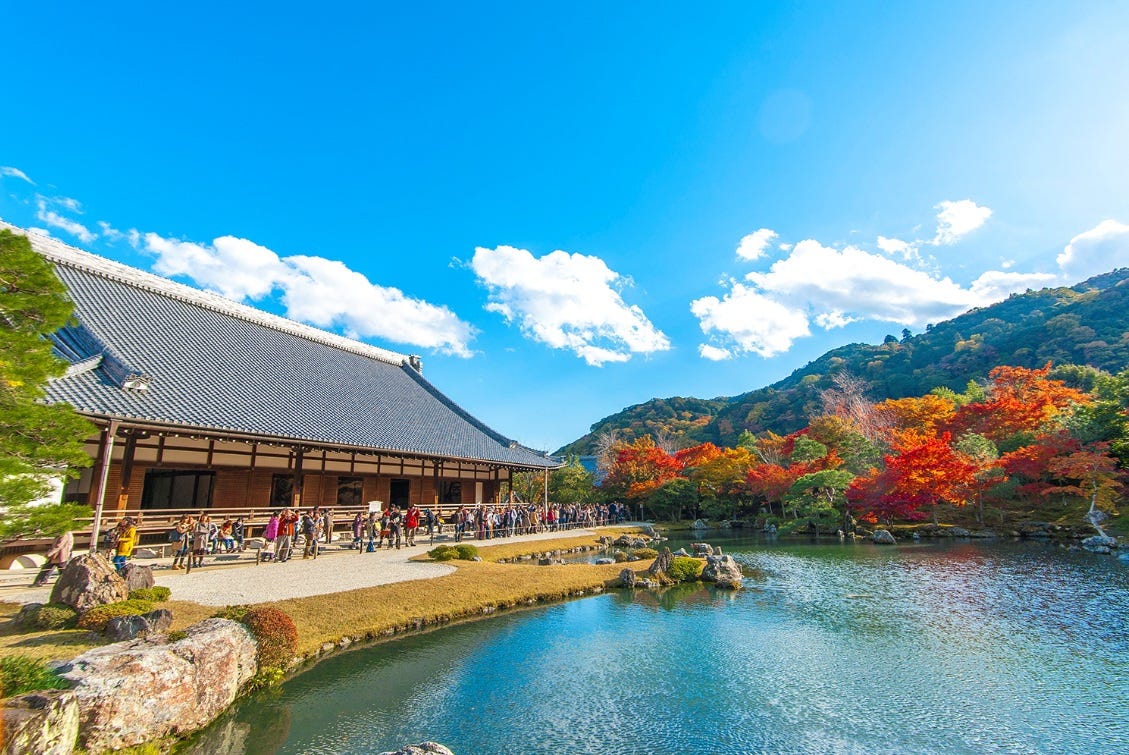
1021 438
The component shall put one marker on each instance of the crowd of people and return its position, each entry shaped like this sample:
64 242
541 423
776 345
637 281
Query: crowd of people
194 537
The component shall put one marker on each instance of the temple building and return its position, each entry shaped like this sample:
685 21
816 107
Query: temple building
205 403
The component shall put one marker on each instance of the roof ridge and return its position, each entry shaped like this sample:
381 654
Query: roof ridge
58 252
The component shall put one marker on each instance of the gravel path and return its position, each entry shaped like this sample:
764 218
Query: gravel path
337 569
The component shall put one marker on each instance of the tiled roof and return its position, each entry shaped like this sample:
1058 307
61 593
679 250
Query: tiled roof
210 363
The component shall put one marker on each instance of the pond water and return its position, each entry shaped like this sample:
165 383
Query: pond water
933 648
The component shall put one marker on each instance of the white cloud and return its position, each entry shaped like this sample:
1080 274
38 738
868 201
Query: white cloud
1098 250
236 268
996 285
713 353
55 220
832 320
566 301
859 284
9 171
316 290
898 246
746 321
958 219
753 245
326 292
834 287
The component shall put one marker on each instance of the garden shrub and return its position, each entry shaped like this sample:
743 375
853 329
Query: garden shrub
620 557
443 553
275 634
466 551
48 617
96 618
156 594
642 553
685 569
20 674
233 613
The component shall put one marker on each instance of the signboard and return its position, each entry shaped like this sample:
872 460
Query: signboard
374 507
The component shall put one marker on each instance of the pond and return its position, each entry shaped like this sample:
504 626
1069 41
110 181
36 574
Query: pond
947 648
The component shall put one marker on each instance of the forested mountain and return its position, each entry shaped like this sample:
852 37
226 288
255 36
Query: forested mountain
1083 324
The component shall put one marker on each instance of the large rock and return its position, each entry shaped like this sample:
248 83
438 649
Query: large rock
698 524
661 564
137 577
627 578
1099 543
45 723
134 692
423 748
89 580
723 571
883 537
122 628
701 549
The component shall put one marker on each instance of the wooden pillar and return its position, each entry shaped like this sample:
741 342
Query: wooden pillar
98 495
251 476
296 493
128 453
435 479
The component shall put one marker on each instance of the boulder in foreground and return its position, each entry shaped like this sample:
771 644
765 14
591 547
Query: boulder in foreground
134 692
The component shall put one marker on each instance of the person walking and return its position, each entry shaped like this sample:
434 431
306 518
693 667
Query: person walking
180 536
201 536
57 557
395 526
285 546
411 524
125 538
270 536
327 525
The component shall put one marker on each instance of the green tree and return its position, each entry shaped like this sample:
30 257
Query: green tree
672 498
820 497
572 483
37 441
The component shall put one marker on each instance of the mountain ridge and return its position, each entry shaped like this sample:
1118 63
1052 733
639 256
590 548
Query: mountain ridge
1087 323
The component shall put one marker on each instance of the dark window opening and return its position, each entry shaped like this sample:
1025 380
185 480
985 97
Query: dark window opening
400 492
450 491
171 489
282 490
350 490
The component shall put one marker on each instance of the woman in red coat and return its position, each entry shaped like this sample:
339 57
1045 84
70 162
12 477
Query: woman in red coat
411 523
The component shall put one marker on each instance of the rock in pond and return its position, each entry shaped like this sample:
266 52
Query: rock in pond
45 723
423 748
883 537
627 578
1099 543
89 580
724 571
138 691
699 525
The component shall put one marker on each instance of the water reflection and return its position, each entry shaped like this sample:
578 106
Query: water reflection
924 648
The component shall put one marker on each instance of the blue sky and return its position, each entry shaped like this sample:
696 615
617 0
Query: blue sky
567 210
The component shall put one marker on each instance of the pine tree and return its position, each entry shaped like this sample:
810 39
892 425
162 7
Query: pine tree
37 440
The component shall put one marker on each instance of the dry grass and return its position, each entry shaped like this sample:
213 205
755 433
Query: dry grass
512 550
474 589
